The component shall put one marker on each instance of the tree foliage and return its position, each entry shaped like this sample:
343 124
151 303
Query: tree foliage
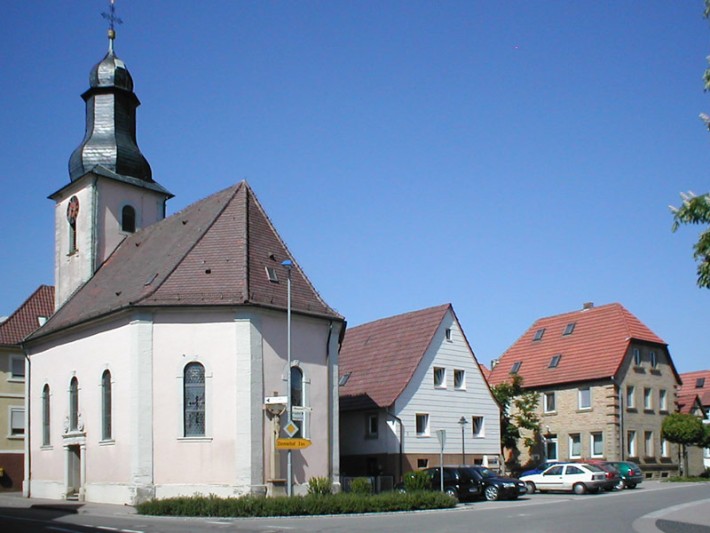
518 411
683 429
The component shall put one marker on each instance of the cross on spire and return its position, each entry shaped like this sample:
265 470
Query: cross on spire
112 21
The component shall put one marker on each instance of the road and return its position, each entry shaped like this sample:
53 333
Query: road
646 509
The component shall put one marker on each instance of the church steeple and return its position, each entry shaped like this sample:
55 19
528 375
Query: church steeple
110 137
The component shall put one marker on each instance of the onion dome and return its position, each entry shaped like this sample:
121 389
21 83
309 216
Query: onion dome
110 137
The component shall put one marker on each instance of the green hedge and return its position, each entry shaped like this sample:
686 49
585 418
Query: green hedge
250 506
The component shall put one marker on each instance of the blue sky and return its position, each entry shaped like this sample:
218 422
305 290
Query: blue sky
514 158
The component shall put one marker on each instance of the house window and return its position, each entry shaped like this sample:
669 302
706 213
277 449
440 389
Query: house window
448 334
630 397
548 402
17 422
17 368
631 444
555 361
106 405
699 383
194 398
648 443
372 426
551 447
439 377
459 379
128 219
45 416
648 399
74 404
597 444
516 367
637 357
666 449
654 359
538 334
575 446
422 425
585 398
296 387
569 329
422 463
477 426
663 400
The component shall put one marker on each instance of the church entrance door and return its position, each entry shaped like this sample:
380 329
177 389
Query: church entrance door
73 471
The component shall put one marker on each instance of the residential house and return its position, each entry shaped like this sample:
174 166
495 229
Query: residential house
27 318
404 379
605 380
166 367
694 398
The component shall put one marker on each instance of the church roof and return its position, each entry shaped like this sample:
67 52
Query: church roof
220 251
382 356
591 344
26 318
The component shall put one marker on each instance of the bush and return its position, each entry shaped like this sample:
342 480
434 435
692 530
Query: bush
252 506
361 485
417 480
319 486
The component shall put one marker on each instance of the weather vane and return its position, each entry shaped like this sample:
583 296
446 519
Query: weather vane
112 21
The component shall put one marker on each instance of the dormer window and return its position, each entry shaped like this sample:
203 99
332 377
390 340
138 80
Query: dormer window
699 383
516 367
538 334
555 361
128 219
569 329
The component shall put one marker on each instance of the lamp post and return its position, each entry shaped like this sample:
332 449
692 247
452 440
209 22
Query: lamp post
463 422
289 467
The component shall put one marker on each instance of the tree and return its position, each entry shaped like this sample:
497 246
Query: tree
518 411
686 430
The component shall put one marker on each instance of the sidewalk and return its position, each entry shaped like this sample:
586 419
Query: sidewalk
15 500
692 517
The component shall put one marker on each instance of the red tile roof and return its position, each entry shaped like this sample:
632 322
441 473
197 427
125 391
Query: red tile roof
25 319
691 380
594 350
382 356
214 252
688 402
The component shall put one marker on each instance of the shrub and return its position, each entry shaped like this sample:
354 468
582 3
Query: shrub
251 506
417 480
361 485
319 486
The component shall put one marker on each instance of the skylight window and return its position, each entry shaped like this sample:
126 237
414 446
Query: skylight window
538 334
555 361
271 273
699 383
569 329
516 367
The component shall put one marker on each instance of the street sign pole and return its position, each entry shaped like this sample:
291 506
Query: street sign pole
441 435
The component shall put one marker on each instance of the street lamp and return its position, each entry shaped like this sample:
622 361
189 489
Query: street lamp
463 422
289 467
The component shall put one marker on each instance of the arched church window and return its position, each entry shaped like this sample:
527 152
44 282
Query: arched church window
128 219
72 214
194 400
45 415
74 404
106 405
296 386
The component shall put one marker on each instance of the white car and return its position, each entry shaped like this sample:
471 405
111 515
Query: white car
576 477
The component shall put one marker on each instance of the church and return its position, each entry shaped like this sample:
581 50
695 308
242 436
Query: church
184 352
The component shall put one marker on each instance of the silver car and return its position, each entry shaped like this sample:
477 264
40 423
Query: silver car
576 477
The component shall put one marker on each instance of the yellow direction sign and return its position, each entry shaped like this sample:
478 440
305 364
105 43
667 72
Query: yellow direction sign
292 444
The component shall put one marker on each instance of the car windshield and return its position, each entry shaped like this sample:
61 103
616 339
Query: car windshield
485 472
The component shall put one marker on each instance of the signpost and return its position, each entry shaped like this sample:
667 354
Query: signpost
441 435
292 444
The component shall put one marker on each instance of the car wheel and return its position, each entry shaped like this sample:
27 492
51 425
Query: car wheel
530 487
619 485
632 485
491 493
452 492
579 488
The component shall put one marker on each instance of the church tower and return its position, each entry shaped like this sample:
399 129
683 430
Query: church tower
111 193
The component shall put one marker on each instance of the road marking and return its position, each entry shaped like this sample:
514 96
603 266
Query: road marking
119 530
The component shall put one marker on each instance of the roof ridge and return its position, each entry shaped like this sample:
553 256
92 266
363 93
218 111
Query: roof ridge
205 231
399 315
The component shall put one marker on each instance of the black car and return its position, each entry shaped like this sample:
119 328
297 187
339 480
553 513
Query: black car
471 482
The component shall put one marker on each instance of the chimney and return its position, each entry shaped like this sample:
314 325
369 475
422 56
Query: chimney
587 305
494 363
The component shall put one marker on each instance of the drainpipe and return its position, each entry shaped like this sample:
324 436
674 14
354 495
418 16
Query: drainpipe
401 444
621 418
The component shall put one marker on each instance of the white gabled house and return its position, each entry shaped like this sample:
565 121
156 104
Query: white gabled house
402 379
